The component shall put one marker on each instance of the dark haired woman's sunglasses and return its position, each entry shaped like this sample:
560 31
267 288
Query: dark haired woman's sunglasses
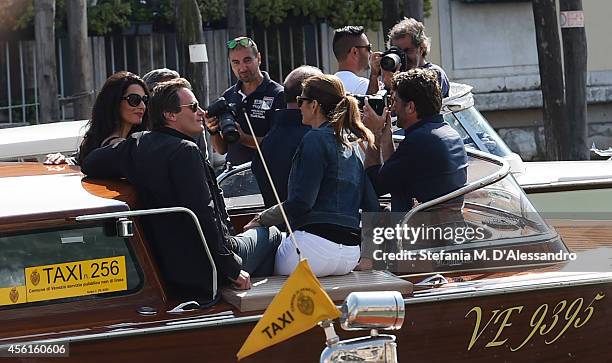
134 99
193 106
301 99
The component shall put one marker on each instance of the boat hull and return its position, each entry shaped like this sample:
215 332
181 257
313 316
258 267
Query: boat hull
552 325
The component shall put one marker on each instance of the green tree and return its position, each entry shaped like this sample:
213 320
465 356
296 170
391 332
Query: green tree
107 15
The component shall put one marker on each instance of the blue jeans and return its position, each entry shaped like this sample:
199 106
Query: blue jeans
257 248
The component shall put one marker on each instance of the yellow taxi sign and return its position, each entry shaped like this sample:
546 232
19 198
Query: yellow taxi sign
12 295
79 278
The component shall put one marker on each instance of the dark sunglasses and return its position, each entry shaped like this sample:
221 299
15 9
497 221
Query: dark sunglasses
243 41
193 106
301 99
134 99
367 46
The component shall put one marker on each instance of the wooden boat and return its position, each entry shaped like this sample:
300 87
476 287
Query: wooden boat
474 311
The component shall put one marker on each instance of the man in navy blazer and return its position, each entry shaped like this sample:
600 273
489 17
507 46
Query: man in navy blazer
431 160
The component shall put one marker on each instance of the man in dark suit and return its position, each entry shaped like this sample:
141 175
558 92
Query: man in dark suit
168 170
431 160
281 142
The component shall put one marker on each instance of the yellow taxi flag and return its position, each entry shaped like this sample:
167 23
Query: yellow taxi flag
299 305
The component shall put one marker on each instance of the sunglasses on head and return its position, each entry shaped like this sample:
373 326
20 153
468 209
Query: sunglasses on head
243 41
134 99
301 99
193 106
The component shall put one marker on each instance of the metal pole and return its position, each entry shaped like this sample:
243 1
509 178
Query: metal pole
151 52
112 51
8 84
93 60
22 79
124 54
280 57
164 49
266 48
36 88
137 54
303 45
61 71
291 47
316 37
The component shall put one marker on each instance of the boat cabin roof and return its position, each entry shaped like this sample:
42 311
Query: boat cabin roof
33 191
36 140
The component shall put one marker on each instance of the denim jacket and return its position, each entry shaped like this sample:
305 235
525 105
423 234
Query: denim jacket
327 182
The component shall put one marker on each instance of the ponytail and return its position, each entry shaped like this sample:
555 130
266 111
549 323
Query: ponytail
346 120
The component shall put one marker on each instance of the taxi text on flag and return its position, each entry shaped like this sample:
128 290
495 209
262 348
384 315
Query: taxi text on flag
299 305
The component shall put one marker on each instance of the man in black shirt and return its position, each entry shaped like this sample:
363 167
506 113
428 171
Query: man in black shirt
168 170
279 145
257 94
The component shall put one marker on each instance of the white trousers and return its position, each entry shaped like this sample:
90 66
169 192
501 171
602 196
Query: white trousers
324 256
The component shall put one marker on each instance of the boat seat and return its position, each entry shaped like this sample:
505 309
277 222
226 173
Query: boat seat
337 287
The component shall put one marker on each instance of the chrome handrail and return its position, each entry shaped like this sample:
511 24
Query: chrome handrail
227 173
475 185
144 212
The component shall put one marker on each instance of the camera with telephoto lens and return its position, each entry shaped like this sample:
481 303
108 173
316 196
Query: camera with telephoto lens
378 102
393 57
226 113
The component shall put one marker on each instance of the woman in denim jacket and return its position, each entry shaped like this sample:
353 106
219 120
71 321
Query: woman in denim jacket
327 184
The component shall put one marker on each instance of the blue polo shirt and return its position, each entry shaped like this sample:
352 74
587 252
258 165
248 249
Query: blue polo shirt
431 161
258 105
442 78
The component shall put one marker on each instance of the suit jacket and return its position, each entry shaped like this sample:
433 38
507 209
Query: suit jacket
168 170
278 148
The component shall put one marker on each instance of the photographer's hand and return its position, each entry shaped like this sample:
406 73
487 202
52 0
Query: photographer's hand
247 139
372 120
387 76
212 125
375 69
375 63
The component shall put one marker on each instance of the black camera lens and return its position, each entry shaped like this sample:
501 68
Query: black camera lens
227 119
228 128
390 62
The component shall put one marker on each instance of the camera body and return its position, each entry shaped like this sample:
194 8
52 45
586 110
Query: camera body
226 113
392 57
378 102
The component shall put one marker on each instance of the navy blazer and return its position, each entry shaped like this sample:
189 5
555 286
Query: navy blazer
431 161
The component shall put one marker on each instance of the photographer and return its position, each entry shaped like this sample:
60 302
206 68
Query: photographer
255 92
354 54
409 36
431 160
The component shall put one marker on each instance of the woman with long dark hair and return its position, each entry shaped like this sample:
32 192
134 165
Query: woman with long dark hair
119 110
327 184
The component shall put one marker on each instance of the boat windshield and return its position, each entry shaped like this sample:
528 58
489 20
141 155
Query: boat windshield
464 233
477 132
